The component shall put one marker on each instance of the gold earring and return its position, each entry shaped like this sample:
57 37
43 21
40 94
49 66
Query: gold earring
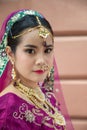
49 72
13 73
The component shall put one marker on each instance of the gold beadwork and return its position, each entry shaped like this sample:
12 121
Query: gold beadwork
43 32
30 91
49 73
44 67
38 20
40 101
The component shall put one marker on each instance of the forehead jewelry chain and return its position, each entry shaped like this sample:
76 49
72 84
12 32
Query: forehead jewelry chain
43 32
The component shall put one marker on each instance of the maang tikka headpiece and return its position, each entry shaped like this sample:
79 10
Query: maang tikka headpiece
43 32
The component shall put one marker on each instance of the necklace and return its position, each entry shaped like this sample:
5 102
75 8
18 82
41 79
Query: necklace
38 99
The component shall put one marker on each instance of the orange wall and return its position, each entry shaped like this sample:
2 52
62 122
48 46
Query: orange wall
69 21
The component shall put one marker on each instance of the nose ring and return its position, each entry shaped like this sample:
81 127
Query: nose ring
44 67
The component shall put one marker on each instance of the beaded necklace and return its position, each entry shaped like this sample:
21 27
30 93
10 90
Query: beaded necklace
38 99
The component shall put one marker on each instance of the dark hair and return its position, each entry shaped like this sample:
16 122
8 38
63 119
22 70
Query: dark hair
28 21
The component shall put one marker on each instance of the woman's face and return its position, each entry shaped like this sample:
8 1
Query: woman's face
31 53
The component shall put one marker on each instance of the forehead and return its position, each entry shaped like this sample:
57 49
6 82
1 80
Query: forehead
33 37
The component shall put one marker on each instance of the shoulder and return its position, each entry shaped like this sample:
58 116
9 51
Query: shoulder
6 90
5 95
10 90
7 100
13 96
8 96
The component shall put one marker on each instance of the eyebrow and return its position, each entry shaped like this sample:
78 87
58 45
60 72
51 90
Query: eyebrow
29 45
33 46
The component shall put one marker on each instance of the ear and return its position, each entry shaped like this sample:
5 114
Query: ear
9 53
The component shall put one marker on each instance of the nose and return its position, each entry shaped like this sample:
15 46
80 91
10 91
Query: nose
40 60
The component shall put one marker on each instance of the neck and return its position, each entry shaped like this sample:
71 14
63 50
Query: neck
28 83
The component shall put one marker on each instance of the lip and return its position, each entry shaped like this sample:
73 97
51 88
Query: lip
39 71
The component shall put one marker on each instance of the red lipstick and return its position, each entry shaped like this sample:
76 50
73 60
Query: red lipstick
39 71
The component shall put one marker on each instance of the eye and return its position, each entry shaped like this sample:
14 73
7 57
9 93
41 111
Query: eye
48 50
30 51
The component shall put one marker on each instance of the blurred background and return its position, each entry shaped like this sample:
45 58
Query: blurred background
69 21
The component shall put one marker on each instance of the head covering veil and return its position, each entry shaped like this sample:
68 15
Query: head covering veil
5 77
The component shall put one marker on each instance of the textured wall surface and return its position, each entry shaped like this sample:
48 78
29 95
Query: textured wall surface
69 21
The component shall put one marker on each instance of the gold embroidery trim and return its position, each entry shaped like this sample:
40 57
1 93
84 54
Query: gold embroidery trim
42 104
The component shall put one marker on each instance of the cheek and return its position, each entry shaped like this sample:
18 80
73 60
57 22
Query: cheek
50 60
22 61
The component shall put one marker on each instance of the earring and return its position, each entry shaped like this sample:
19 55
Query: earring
49 81
49 73
13 73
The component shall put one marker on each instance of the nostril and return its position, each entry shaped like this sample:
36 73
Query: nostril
40 62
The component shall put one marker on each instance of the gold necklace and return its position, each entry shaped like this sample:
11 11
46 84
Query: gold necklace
31 91
38 99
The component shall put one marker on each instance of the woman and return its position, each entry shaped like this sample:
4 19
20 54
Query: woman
26 68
